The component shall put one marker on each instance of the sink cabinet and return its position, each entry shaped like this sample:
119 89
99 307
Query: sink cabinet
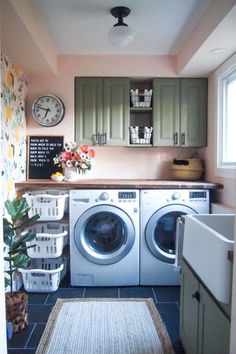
204 326
102 111
180 112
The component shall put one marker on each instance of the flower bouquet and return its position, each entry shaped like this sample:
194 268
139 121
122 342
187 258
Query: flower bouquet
75 160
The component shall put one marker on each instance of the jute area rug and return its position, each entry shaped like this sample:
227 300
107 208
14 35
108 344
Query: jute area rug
105 326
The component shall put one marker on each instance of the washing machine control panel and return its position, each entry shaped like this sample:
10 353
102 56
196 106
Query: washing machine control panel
117 196
175 196
127 195
104 196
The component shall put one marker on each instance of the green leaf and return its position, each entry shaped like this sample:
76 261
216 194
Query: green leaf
26 237
21 261
7 282
27 222
17 208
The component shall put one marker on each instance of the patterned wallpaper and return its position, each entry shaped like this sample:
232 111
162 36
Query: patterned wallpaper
13 128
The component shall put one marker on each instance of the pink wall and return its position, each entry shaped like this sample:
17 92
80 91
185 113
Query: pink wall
110 162
227 195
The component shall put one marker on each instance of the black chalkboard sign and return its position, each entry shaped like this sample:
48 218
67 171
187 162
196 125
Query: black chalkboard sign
41 151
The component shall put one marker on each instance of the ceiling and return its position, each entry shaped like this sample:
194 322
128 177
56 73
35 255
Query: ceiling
81 26
36 32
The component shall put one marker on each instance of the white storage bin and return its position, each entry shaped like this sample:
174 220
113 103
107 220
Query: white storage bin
49 204
41 280
51 238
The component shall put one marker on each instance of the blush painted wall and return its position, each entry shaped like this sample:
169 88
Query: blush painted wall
110 162
227 195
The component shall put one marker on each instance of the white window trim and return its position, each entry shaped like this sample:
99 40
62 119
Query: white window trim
222 170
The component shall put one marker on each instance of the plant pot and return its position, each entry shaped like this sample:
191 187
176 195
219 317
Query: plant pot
17 309
73 174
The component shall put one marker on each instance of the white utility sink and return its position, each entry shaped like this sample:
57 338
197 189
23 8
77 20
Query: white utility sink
207 240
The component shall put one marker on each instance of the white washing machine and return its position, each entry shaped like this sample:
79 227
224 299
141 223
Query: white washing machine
159 212
104 237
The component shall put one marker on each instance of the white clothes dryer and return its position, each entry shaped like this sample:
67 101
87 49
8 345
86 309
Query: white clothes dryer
104 237
159 212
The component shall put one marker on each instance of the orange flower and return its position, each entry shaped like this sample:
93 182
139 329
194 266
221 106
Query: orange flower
66 155
84 148
76 156
91 153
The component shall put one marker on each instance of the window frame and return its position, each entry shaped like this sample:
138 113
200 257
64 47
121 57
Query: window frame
222 75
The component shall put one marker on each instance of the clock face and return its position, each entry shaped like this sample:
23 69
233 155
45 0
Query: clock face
48 110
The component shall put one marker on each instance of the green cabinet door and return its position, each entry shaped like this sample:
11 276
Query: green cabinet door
88 109
180 112
204 327
189 309
102 107
214 327
193 112
166 100
116 111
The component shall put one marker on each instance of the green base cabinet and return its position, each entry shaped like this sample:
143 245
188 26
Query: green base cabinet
204 327
102 111
180 112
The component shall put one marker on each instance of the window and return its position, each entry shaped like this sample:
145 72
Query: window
226 120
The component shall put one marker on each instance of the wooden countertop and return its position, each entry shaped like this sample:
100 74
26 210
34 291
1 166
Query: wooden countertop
117 183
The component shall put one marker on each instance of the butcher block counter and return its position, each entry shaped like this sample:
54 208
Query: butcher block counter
117 183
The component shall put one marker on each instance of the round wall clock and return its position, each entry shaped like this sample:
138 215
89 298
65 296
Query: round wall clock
48 110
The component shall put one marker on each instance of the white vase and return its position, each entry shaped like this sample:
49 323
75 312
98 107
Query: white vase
73 174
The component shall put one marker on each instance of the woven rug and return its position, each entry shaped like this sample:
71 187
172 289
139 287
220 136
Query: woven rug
105 326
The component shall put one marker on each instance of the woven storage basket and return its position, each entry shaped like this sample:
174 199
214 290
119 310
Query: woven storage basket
191 172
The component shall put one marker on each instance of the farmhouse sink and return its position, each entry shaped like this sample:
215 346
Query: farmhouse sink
208 238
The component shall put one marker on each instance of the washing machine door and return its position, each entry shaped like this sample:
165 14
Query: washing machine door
104 234
160 231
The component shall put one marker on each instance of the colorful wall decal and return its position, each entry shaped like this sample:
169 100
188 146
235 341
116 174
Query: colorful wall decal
13 127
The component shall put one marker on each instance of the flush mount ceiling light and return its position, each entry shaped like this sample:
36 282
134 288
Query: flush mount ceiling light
120 34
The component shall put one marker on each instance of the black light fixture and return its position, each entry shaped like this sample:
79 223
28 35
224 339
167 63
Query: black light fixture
120 34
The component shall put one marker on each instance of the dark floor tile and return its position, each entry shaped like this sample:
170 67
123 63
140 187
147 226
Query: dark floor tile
21 351
136 292
101 292
65 293
39 313
168 311
167 293
173 330
37 298
35 336
20 338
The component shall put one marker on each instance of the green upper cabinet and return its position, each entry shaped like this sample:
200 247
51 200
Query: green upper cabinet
179 112
102 111
88 109
166 101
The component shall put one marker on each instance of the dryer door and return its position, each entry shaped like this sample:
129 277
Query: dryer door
104 234
160 231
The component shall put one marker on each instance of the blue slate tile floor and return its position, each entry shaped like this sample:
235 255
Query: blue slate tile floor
40 305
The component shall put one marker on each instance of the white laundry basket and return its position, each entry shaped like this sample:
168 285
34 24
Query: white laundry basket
49 204
51 238
40 280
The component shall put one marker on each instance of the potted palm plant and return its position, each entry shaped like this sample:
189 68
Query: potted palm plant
16 257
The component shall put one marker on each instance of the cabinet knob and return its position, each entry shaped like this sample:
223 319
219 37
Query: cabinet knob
196 295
